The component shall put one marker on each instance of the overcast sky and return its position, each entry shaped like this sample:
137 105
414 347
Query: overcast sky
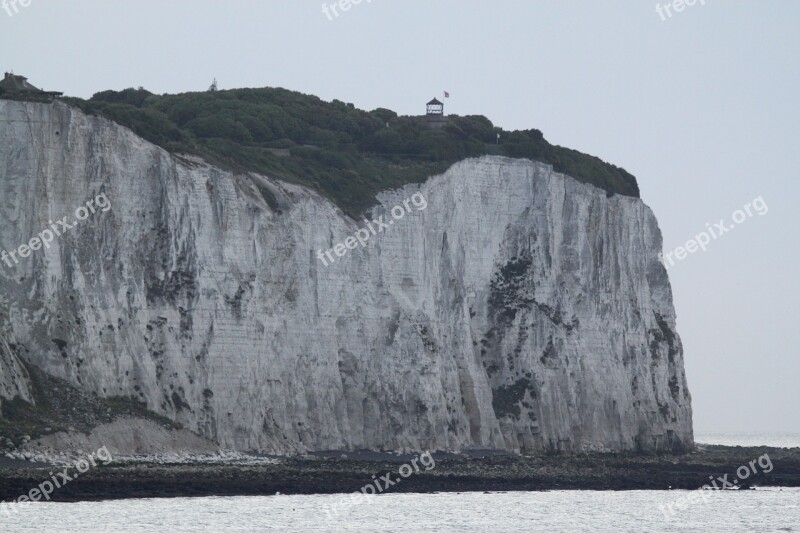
703 106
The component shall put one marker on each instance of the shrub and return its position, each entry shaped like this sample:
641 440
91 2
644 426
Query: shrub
353 154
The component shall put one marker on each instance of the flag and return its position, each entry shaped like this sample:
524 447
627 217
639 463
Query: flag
446 94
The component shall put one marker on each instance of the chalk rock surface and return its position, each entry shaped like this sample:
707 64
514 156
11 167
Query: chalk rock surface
519 310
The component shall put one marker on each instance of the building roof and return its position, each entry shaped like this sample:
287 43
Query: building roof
435 102
13 85
12 82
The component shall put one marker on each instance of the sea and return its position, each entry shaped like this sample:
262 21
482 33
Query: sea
776 440
765 509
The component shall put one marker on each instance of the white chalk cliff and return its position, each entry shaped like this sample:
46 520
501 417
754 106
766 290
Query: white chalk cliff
521 310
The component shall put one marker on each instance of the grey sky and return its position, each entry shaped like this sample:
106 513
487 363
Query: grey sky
703 107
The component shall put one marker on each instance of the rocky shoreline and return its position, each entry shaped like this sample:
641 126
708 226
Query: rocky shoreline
333 473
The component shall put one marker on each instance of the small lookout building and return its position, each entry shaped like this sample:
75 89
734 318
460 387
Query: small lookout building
434 112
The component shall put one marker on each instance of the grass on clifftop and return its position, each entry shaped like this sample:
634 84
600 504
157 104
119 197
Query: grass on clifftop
345 153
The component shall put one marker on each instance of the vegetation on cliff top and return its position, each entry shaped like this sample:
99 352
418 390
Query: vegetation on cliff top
347 154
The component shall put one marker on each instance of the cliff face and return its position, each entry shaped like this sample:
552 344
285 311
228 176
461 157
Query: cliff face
519 310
